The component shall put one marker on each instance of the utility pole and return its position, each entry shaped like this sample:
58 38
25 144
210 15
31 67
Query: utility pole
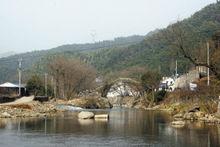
159 69
52 85
19 75
208 63
176 74
55 90
46 74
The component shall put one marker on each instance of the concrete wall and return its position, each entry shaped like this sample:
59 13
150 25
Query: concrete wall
184 80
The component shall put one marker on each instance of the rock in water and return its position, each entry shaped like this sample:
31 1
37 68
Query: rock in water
178 124
102 116
189 116
180 115
6 115
85 115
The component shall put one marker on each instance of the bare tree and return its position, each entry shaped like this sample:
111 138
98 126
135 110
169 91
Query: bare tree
150 81
180 36
71 76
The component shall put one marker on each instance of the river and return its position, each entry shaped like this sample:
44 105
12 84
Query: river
125 127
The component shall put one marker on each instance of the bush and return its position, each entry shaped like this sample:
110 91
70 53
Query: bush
159 95
35 86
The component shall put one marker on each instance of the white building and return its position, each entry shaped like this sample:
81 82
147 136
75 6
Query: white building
167 84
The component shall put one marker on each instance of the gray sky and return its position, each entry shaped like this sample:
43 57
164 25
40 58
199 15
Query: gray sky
27 25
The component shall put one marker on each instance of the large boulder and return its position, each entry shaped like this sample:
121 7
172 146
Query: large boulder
6 115
85 115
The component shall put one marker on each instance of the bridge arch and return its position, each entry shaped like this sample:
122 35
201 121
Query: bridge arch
122 87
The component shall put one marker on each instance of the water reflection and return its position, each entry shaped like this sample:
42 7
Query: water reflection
125 127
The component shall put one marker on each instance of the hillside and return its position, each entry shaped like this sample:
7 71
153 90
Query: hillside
34 61
153 50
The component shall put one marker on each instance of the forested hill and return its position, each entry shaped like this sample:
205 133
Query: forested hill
8 65
153 50
156 51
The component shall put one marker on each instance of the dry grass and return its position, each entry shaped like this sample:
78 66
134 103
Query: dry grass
21 106
205 97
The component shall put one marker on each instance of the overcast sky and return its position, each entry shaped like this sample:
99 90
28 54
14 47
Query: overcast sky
27 25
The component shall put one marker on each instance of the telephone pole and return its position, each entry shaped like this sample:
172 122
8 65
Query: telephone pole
208 63
19 75
46 74
176 69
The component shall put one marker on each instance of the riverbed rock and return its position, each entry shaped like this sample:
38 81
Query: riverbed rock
195 108
189 116
199 114
179 115
178 124
6 115
102 116
91 103
209 118
31 109
86 115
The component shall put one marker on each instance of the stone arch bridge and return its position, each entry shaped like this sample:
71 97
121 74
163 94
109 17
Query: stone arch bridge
119 88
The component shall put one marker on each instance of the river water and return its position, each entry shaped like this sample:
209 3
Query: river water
125 127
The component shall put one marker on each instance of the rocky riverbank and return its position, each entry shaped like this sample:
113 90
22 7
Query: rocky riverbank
45 109
192 112
203 111
87 103
32 109
179 111
197 116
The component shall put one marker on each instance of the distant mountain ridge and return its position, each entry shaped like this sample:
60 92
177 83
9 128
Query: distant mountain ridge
6 54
